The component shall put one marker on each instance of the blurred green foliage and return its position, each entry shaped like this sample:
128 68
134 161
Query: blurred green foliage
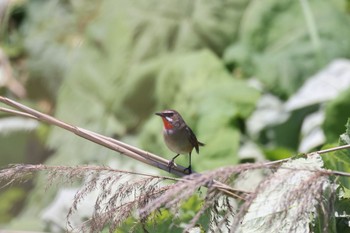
146 66
282 43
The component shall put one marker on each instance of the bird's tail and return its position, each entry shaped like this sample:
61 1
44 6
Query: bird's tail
200 143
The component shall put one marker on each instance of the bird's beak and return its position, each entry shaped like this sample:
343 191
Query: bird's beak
159 114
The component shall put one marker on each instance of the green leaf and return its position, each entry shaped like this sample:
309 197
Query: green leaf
338 161
345 193
278 153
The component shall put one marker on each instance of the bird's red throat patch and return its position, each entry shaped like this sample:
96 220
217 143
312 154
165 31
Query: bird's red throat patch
167 124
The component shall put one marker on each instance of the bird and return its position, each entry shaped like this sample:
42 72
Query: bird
178 136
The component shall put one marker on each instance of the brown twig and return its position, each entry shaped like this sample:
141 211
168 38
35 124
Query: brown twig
113 144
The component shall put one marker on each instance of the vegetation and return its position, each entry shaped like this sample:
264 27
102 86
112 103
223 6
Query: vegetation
255 80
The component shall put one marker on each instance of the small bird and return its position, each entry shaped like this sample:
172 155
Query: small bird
178 137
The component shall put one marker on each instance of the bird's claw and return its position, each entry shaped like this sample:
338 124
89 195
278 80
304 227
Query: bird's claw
171 164
189 169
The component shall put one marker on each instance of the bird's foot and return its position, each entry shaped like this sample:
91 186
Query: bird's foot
189 169
171 164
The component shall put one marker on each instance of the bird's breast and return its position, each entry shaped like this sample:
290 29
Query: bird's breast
177 141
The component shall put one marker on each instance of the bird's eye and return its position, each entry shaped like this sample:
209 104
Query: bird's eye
169 114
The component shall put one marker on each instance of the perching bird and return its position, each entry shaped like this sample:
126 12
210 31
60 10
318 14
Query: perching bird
178 136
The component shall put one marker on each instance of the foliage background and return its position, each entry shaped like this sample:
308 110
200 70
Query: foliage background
109 65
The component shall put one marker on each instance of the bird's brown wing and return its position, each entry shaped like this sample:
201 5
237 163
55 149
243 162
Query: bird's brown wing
193 139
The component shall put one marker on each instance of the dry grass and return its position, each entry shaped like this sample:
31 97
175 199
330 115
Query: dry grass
121 193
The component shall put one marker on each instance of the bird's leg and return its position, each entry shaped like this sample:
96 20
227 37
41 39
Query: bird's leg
171 163
189 169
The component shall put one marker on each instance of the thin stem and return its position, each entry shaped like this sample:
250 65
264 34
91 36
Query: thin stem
333 149
113 144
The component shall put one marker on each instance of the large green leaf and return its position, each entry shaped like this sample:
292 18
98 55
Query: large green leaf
283 42
211 102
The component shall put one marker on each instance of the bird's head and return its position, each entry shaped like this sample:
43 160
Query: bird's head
171 119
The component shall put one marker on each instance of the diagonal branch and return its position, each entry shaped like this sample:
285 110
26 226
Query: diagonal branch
111 143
